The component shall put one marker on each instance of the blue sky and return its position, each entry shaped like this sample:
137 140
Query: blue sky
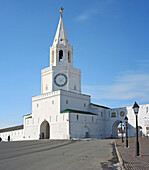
111 47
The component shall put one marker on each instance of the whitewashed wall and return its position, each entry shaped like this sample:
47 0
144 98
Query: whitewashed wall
143 119
15 135
46 107
75 101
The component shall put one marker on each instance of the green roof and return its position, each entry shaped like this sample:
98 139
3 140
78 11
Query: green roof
99 106
77 111
27 114
28 117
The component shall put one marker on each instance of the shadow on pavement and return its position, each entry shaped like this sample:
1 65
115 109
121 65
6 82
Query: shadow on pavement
113 163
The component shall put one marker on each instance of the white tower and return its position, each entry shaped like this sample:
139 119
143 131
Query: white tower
61 74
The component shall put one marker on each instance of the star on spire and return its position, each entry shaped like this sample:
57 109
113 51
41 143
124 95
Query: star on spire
61 11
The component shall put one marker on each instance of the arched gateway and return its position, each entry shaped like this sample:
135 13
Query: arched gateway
115 129
44 130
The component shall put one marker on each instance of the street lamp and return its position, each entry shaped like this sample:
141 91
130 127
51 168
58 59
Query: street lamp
136 110
122 131
126 121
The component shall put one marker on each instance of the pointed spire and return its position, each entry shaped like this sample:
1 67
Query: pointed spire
61 35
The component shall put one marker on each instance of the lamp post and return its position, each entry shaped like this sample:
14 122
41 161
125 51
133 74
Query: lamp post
126 121
122 131
136 110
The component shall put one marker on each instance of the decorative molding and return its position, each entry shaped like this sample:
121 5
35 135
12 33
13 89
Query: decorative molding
73 94
46 95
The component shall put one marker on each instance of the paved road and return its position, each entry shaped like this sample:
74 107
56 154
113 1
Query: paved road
55 154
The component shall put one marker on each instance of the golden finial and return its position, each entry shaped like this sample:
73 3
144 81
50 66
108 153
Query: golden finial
61 11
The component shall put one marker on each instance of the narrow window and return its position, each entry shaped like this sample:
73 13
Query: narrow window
69 58
113 114
84 104
52 57
75 87
56 118
101 114
37 105
61 55
52 101
77 117
66 101
146 109
92 118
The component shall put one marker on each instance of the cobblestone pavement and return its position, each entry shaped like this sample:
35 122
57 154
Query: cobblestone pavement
128 158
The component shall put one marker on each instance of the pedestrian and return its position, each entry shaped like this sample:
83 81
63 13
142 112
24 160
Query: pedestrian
9 138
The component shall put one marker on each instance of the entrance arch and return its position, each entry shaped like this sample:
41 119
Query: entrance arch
45 130
115 129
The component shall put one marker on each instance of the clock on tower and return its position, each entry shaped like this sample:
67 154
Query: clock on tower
61 74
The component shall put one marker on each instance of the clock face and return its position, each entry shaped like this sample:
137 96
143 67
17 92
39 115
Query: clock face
60 79
122 113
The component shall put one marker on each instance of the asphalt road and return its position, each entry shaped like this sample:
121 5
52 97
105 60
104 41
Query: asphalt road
55 154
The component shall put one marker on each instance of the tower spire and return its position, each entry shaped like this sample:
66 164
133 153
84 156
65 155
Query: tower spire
61 35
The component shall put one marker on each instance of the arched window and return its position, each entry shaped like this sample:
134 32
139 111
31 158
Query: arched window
69 57
61 55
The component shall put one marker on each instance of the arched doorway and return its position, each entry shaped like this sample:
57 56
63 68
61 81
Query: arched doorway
115 129
86 130
44 130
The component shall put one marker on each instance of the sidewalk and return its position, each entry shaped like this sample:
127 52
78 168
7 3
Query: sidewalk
127 157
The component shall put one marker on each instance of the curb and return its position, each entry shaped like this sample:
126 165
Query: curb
120 159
